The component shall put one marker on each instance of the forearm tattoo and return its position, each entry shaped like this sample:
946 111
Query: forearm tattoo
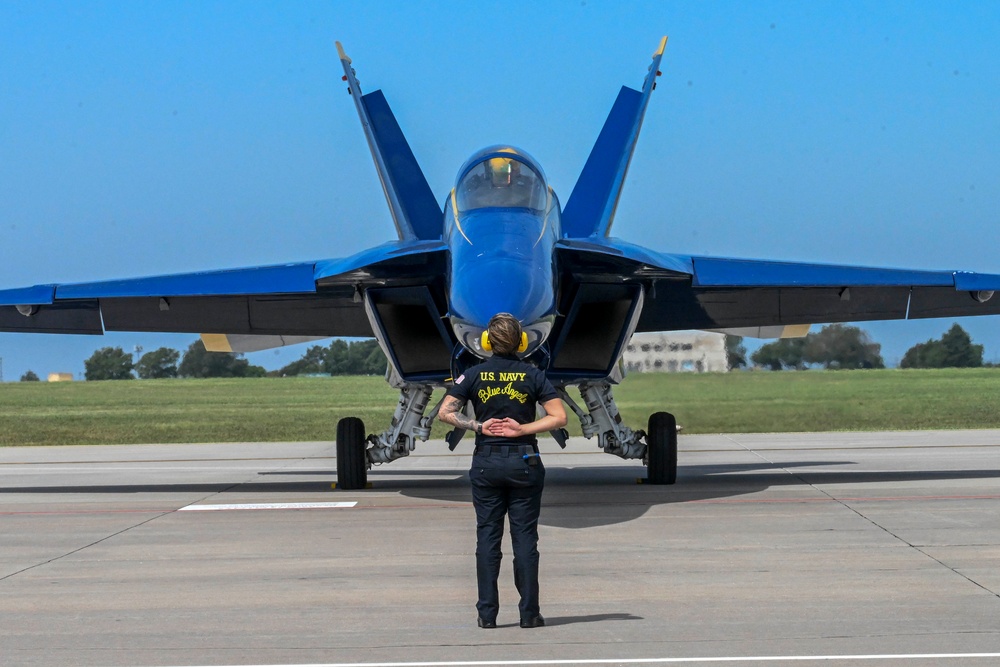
451 411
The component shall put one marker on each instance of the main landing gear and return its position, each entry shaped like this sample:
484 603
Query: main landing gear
656 446
661 449
356 453
352 463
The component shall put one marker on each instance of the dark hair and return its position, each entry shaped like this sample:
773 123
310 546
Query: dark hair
505 333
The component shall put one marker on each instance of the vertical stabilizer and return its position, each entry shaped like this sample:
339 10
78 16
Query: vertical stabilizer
590 210
414 211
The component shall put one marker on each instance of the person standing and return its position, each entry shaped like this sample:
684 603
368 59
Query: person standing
507 474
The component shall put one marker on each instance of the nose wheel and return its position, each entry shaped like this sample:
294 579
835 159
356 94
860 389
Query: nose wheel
661 449
352 463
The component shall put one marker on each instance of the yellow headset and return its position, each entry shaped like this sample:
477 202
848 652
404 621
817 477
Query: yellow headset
485 341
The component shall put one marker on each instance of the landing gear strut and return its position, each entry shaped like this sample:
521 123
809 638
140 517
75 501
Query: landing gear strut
657 447
356 453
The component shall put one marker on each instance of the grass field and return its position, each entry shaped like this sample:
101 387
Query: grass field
296 409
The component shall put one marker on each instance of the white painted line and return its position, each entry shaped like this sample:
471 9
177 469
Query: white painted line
267 506
650 661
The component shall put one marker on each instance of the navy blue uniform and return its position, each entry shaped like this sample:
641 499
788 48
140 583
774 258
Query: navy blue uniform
507 476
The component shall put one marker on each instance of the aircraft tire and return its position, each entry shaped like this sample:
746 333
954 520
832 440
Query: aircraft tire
661 452
352 464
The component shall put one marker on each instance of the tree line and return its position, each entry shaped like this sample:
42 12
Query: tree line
836 346
840 346
338 358
113 363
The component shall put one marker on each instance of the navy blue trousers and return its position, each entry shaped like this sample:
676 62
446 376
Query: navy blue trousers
504 484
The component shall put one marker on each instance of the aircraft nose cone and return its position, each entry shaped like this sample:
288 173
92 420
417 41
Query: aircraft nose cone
496 286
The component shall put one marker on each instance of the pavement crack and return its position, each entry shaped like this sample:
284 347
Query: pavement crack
117 533
250 479
86 546
865 517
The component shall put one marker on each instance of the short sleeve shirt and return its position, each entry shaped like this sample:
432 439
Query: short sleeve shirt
504 387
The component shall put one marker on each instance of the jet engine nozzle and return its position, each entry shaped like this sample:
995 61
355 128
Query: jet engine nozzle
982 296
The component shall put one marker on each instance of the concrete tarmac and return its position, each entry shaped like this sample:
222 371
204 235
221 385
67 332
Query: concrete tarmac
811 548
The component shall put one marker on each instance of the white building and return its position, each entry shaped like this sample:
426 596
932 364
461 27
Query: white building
676 352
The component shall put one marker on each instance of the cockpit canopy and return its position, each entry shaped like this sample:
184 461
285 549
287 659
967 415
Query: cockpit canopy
501 178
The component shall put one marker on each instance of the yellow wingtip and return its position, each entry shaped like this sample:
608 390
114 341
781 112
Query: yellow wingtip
216 342
341 53
796 331
663 45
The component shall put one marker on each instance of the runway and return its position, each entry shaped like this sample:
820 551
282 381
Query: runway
811 549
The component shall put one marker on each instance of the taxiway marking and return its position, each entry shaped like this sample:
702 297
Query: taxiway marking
267 506
652 661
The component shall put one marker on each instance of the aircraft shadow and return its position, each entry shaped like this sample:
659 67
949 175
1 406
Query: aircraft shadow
581 497
591 496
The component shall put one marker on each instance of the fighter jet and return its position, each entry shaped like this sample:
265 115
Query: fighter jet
499 241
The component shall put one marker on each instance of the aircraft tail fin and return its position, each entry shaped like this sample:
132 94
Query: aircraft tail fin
414 210
590 209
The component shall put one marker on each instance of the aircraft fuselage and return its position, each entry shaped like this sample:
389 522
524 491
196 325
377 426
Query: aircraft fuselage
501 224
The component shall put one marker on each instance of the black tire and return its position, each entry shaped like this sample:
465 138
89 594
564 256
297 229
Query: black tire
352 464
661 449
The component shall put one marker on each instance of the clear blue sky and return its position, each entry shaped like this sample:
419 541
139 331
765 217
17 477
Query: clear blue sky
160 137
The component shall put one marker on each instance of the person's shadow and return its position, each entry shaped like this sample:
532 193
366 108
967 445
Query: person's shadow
551 621
591 618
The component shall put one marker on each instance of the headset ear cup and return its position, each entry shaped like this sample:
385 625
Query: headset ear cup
524 342
485 342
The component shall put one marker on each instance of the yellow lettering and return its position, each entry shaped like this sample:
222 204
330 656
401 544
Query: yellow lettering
483 375
514 395
486 393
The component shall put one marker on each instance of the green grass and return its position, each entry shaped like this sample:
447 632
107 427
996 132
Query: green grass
762 402
294 409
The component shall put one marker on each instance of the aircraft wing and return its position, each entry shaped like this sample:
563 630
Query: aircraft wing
690 292
307 299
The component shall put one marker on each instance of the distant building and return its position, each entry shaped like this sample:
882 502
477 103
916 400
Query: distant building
60 377
676 352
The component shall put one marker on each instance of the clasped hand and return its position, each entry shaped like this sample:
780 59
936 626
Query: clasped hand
504 428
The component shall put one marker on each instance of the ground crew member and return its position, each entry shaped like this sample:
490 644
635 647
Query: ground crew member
507 473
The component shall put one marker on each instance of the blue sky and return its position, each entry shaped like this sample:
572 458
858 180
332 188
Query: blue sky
160 137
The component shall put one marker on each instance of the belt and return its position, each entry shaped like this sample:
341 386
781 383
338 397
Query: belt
506 450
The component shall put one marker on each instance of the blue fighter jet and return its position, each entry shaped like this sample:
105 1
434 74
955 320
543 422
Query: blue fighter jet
499 241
